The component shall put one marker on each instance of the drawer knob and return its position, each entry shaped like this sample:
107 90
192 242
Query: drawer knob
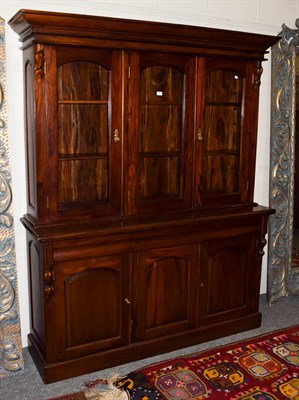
48 289
48 276
127 301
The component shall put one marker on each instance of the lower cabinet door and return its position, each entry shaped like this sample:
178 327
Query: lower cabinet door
165 283
92 305
227 276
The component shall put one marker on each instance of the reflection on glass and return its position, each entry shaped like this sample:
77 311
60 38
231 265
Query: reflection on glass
83 131
160 147
222 126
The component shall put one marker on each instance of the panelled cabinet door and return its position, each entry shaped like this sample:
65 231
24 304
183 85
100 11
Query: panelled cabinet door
87 161
226 278
166 290
221 174
90 305
160 129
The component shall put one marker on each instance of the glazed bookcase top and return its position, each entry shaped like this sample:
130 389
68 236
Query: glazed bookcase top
136 117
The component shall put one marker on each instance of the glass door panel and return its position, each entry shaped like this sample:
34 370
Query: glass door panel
165 121
155 183
83 80
83 134
222 124
222 174
222 132
160 144
83 180
224 86
76 130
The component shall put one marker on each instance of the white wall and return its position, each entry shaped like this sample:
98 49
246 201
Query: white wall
261 16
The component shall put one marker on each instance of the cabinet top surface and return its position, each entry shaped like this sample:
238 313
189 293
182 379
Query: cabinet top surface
135 224
62 28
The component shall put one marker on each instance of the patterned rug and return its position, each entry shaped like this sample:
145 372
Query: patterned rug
260 368
74 396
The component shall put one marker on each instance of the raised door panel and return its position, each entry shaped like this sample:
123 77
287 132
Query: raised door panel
161 92
165 285
92 305
88 159
225 280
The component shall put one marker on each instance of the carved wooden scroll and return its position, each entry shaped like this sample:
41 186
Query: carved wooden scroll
283 274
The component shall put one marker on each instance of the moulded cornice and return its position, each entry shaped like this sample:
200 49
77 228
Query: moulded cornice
52 28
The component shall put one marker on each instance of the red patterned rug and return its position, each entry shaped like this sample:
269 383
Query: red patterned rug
74 396
260 368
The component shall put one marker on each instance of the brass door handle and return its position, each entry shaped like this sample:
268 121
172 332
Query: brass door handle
116 137
199 134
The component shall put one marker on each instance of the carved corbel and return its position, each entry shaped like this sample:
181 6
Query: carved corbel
256 78
39 62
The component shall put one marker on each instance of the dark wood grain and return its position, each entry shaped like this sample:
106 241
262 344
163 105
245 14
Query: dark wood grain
142 232
165 274
95 31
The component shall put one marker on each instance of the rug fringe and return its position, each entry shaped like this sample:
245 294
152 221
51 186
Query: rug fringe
111 393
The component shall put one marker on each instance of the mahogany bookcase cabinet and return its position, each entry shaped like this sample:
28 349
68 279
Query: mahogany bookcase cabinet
142 232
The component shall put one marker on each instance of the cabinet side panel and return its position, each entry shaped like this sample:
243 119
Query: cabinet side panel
30 131
36 292
254 71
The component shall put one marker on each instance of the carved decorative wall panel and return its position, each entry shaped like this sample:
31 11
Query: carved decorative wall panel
283 275
11 358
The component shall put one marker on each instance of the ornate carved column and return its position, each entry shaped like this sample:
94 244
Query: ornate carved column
11 358
283 273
